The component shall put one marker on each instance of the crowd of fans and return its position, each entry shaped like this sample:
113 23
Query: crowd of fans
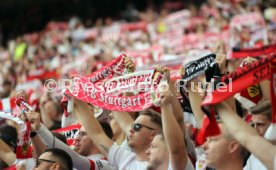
156 138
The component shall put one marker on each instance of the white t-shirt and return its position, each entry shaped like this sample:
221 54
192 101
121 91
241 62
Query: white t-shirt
253 163
189 166
124 145
274 162
123 159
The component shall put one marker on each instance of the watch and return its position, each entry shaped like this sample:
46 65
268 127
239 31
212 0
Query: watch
33 134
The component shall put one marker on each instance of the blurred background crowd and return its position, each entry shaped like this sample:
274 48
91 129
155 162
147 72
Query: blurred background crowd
59 39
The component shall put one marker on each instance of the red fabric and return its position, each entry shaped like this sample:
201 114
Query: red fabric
92 164
13 167
209 128
44 75
252 93
134 26
1 105
254 52
23 149
69 132
248 118
12 104
247 76
241 79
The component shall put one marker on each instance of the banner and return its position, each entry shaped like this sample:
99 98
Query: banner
130 82
23 149
116 66
9 116
242 78
70 133
195 68
92 89
84 90
253 52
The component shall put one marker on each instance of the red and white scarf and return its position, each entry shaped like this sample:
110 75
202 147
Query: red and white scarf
92 89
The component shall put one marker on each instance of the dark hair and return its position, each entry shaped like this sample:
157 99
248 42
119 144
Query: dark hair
154 116
107 129
60 136
9 135
7 83
263 108
63 158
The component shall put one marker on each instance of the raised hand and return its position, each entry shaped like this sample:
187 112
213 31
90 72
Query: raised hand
34 118
130 64
221 58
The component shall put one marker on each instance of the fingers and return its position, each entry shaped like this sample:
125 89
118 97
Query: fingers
21 94
165 97
33 116
130 64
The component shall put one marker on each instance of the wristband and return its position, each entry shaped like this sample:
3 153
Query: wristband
33 134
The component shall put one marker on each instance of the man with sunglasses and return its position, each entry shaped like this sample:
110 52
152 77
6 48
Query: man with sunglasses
54 159
141 134
89 157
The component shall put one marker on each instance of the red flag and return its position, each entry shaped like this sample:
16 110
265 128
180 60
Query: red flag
209 128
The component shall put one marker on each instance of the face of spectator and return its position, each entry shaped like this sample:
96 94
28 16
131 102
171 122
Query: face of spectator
157 153
45 161
218 149
260 122
6 90
83 143
141 134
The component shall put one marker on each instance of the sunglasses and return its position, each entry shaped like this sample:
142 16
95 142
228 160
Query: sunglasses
137 126
39 161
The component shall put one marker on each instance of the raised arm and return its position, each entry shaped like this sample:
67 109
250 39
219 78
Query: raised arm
195 101
38 145
247 136
86 118
6 154
124 120
79 162
173 133
177 109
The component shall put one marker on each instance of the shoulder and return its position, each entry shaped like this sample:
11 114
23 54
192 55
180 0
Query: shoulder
99 164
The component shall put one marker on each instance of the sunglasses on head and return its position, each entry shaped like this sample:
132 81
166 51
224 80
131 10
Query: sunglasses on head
137 126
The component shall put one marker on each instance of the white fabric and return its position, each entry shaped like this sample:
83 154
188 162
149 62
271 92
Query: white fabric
79 162
189 166
270 132
28 163
122 159
253 163
124 145
201 162
274 163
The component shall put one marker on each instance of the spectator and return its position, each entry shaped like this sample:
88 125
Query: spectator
89 155
54 159
145 127
261 117
247 136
